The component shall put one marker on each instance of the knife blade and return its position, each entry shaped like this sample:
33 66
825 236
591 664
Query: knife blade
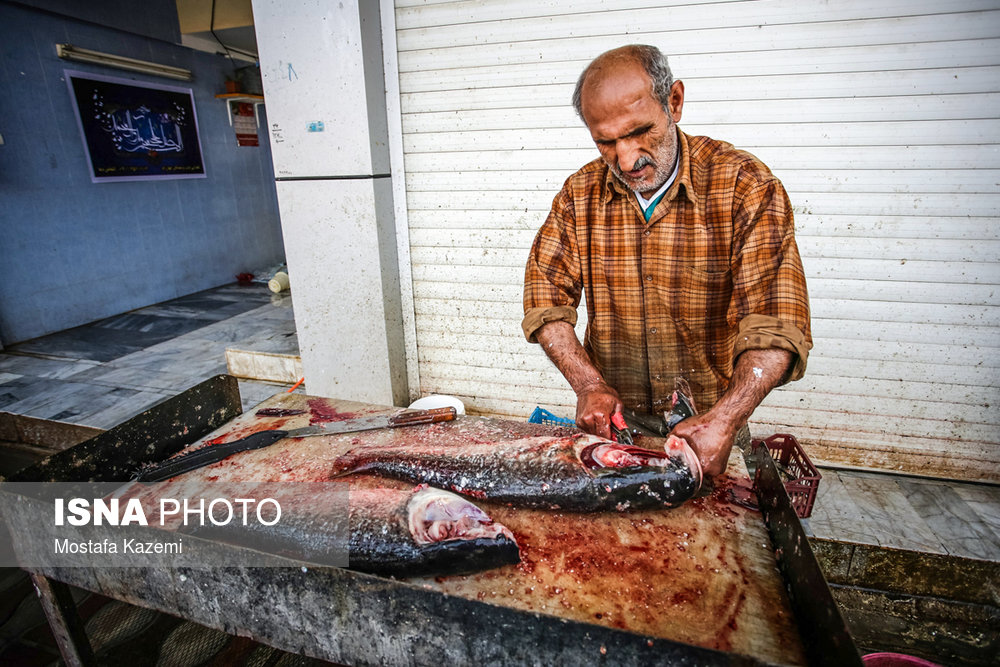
200 458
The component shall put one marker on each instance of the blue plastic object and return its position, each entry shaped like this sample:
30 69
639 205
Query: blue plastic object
542 416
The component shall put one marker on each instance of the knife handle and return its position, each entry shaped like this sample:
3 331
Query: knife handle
411 417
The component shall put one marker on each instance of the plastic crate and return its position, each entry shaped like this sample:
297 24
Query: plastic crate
793 462
542 416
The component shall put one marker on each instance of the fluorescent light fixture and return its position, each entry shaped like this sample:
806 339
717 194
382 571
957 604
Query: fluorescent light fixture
70 52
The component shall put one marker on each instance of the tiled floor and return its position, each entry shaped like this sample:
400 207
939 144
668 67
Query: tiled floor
101 374
912 513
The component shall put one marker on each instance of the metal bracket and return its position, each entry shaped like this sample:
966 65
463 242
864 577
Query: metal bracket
825 636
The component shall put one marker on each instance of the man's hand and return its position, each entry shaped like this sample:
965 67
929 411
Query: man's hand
594 406
711 437
595 400
711 434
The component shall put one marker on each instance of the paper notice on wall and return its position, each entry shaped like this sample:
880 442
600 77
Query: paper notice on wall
245 124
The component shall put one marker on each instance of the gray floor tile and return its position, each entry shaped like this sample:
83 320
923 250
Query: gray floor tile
273 344
253 392
961 529
64 402
178 357
42 367
984 501
232 331
111 338
120 411
136 378
897 524
836 516
28 394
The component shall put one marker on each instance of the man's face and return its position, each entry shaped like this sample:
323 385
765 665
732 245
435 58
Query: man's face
636 137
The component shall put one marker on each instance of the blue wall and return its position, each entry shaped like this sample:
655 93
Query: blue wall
72 251
153 18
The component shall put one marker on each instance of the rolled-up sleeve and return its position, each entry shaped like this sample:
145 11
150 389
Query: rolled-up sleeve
758 332
770 302
552 276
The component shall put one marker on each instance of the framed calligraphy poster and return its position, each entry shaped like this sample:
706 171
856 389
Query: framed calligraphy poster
135 131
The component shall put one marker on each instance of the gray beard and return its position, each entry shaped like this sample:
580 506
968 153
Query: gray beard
660 174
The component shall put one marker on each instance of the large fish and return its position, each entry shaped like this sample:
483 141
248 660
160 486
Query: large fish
580 473
390 531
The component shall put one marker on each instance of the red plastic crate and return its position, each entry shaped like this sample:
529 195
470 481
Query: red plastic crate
793 462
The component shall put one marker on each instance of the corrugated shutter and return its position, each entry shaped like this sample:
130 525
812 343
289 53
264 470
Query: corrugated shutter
882 118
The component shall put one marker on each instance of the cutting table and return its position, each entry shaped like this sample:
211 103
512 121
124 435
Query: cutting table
698 584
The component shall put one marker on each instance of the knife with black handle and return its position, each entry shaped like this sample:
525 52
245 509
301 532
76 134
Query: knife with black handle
204 456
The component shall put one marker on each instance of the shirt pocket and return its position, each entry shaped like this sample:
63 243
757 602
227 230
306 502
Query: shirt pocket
700 302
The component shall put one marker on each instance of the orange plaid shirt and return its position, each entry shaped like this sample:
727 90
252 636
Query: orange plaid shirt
714 272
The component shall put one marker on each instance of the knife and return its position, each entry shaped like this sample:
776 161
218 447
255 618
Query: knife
199 458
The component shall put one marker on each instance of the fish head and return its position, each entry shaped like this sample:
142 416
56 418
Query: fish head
439 516
679 447
456 537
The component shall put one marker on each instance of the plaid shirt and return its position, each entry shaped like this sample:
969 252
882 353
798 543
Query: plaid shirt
713 273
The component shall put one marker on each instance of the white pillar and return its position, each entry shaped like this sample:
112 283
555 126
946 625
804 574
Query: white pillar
321 64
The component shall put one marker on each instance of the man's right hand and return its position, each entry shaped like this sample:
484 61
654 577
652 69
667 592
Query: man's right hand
594 406
596 401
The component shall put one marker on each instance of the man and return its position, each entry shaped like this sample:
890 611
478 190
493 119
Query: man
685 251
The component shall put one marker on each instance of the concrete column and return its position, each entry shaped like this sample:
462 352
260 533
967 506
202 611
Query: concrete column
321 64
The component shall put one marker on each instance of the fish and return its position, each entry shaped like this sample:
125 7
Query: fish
577 473
390 531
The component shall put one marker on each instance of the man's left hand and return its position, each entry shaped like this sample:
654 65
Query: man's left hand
711 434
711 438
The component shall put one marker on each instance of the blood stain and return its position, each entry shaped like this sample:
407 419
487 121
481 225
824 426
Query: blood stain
322 412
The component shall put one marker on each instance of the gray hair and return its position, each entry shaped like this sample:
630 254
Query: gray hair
652 60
